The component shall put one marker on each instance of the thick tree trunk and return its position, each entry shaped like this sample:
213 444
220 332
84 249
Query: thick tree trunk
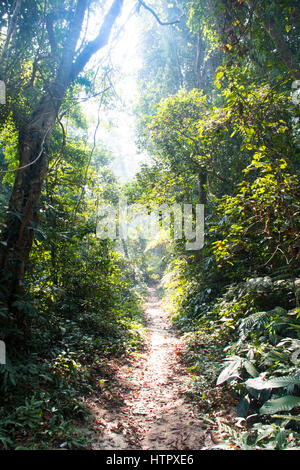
23 215
202 180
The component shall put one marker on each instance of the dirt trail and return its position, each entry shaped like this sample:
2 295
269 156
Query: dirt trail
148 409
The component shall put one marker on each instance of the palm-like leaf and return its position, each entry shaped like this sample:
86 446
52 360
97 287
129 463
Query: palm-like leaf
273 382
259 320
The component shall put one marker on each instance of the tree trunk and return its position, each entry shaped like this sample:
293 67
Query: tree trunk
23 216
202 180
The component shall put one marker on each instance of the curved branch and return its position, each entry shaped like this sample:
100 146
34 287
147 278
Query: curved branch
21 168
162 23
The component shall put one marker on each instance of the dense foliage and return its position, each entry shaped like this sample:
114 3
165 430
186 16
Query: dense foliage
80 300
232 143
218 113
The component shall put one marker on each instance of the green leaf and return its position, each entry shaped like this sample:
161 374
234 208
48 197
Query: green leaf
286 403
231 370
243 407
281 439
219 75
250 368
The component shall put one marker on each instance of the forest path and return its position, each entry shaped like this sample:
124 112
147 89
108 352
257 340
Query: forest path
146 408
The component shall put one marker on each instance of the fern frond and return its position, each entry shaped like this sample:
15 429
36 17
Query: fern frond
255 321
259 320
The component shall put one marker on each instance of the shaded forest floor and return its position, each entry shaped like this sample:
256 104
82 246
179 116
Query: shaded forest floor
142 403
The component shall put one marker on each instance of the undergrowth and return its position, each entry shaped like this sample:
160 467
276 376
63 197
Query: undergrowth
60 357
243 361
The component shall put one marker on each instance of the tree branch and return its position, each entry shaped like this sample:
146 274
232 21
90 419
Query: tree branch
11 29
64 73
